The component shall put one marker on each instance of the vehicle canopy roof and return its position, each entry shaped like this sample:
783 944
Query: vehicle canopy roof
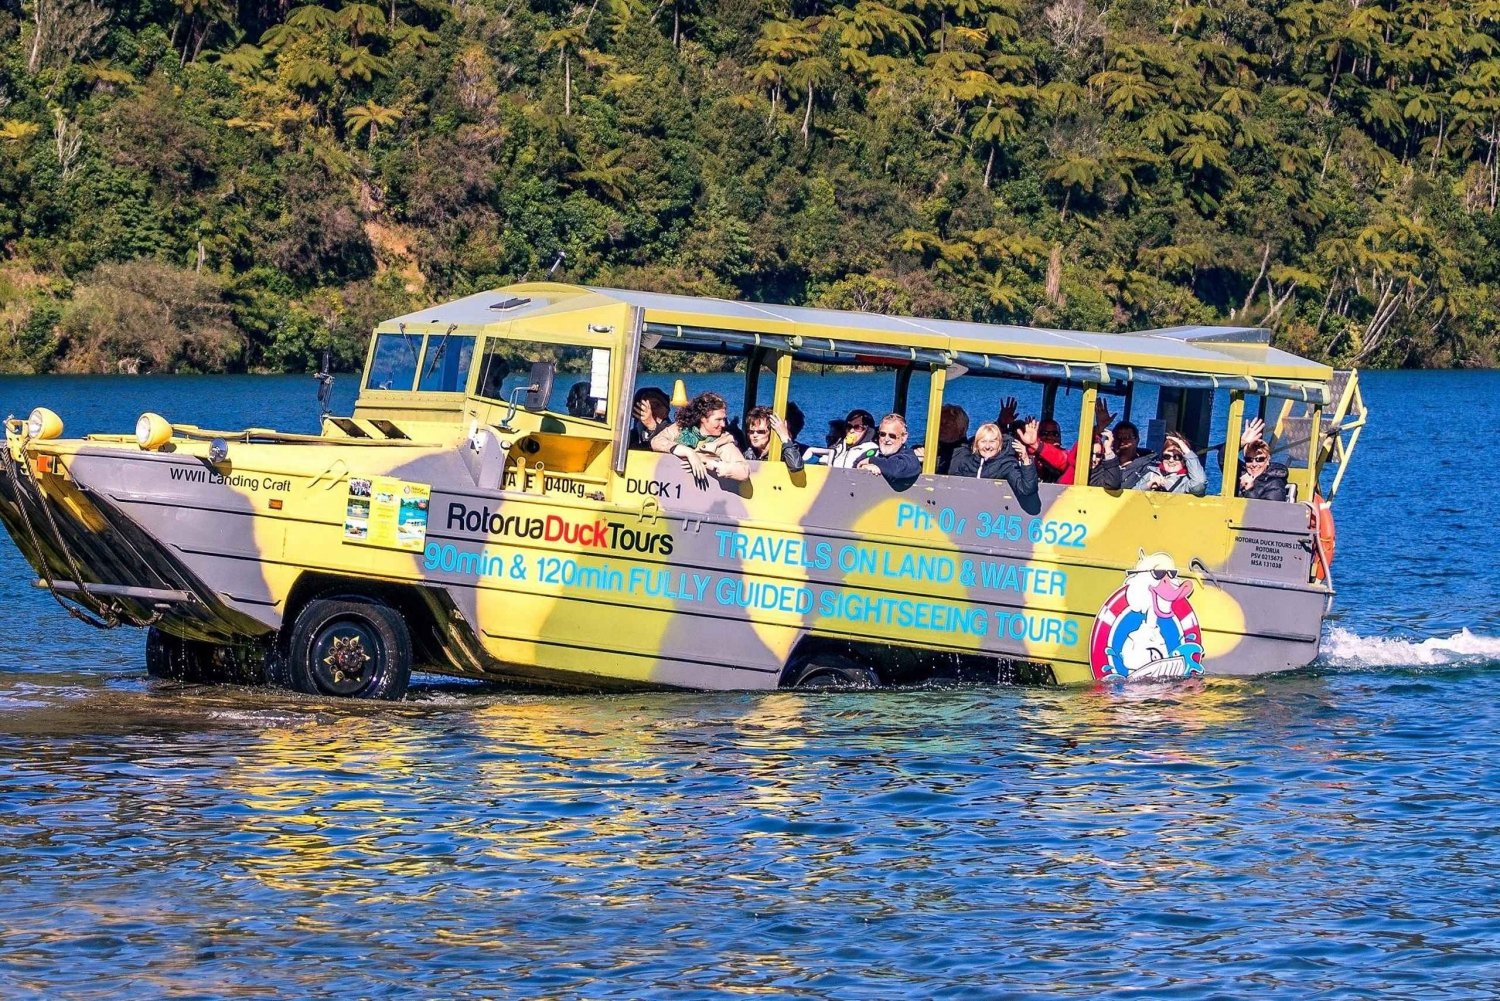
1195 357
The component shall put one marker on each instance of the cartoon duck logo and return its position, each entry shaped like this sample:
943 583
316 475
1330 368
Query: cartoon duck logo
1147 630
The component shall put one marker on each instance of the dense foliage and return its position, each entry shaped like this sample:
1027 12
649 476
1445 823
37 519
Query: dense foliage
196 184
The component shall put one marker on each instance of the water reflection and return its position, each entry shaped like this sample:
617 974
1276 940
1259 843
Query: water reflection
980 841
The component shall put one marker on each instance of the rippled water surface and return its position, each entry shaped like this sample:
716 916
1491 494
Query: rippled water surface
1326 833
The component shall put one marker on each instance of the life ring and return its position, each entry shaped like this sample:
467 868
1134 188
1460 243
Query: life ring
1320 521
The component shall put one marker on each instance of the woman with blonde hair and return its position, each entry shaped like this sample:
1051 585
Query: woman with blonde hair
989 459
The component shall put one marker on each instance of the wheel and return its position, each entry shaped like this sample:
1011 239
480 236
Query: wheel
836 672
352 649
175 658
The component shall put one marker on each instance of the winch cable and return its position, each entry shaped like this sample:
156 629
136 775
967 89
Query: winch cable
100 614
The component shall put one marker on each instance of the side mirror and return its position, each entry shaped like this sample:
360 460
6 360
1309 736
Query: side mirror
540 390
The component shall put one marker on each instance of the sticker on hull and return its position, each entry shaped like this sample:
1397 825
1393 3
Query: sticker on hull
384 511
1147 630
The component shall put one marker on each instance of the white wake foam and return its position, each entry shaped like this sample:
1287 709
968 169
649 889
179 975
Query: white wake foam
1342 648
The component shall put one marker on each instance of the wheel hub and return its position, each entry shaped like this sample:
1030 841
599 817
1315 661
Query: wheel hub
344 661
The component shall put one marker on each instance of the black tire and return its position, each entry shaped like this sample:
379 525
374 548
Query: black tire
174 658
835 672
350 649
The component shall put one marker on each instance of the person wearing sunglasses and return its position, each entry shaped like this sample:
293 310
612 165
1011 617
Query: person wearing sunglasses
1261 479
858 442
892 459
1177 471
760 424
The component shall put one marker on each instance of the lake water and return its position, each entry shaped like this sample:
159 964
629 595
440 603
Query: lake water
1327 833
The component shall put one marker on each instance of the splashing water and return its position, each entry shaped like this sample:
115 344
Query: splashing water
1342 648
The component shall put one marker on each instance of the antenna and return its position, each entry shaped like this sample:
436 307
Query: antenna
325 389
561 256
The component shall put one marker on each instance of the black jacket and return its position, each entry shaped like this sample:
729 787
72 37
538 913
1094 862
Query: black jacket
1004 466
1270 485
791 454
1106 476
1125 475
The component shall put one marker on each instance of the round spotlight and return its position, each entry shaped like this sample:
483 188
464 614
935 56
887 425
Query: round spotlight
43 424
153 431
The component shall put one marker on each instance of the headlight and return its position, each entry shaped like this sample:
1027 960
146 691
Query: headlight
43 424
153 431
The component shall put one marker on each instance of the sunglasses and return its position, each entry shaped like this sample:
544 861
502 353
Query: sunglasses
1172 456
1257 460
1158 574
890 436
759 431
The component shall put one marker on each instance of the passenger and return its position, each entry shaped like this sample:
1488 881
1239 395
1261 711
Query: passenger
1103 470
795 421
580 403
858 442
1177 472
1131 460
760 424
1102 452
697 438
989 459
1052 460
1261 479
650 408
892 459
953 433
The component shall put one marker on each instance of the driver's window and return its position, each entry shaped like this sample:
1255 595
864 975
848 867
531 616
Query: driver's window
579 387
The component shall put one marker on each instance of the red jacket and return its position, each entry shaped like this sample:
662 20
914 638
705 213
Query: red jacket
1055 458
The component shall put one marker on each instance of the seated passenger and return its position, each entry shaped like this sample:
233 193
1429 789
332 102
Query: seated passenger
1129 457
1103 470
858 442
953 434
1177 472
1052 460
650 408
892 459
1261 479
760 424
988 459
697 438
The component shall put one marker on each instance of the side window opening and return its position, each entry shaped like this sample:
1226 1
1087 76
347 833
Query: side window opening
581 373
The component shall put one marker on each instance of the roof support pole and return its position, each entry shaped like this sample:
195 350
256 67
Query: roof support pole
630 363
1231 461
1307 479
779 397
1083 454
934 419
753 362
903 388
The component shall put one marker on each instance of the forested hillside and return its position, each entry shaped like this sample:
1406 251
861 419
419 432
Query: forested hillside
201 185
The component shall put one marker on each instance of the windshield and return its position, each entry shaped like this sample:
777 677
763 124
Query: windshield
445 367
395 363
